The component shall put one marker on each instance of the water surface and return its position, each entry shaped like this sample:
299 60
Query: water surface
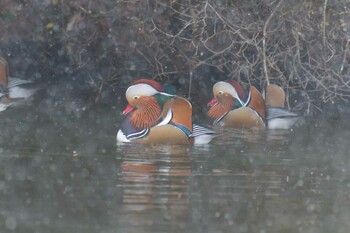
245 181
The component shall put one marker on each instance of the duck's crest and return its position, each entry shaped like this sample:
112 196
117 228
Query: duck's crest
156 85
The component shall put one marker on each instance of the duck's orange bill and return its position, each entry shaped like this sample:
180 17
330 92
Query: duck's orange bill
212 102
128 109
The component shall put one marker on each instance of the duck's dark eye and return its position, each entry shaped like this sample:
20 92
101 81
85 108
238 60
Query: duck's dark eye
220 92
136 97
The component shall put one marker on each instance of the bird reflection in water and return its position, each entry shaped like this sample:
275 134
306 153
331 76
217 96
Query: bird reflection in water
155 184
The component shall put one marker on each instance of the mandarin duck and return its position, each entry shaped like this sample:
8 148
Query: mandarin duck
153 116
233 106
278 117
13 91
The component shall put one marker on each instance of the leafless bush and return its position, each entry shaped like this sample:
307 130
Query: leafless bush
301 45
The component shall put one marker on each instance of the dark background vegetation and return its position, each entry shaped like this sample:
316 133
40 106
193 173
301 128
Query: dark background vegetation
86 52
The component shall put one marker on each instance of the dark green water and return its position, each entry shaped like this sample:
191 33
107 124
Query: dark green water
246 181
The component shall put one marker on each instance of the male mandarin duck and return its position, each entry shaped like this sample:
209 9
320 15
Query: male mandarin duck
153 116
233 106
12 90
278 117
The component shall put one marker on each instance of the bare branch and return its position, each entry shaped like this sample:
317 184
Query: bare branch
264 41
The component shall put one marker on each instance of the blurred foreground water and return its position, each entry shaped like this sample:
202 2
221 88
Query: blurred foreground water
60 171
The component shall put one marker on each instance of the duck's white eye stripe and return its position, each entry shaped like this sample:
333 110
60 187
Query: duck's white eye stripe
226 87
140 90
166 94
